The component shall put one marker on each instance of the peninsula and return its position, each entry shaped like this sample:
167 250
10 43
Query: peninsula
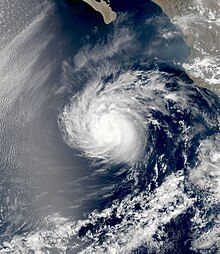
104 8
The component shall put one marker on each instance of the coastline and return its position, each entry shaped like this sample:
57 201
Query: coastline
104 8
200 25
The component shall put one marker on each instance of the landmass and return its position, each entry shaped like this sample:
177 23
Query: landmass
104 8
199 21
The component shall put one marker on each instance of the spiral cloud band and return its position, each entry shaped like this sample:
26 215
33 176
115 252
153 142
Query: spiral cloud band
105 123
108 121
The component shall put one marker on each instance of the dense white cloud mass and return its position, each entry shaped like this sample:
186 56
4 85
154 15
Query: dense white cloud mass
106 122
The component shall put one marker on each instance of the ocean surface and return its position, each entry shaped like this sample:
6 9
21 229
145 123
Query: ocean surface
106 145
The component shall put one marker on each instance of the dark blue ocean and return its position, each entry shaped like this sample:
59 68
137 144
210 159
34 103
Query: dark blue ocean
61 191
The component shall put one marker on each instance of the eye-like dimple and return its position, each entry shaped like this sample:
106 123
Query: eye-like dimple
108 121
115 134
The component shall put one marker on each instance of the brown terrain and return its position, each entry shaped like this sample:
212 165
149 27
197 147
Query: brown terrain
199 21
104 8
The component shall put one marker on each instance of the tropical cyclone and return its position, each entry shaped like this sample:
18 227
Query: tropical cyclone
200 23
104 8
